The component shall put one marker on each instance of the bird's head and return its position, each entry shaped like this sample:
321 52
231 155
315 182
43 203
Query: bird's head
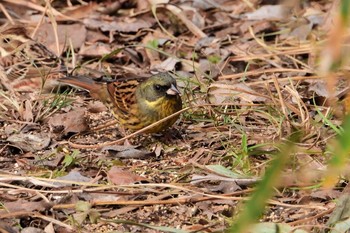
158 86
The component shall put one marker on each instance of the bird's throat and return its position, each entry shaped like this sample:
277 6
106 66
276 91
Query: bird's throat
156 103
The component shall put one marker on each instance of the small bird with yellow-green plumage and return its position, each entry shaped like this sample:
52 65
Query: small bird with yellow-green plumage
136 103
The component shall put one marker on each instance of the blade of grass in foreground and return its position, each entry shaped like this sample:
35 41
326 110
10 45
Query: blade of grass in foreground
254 207
340 155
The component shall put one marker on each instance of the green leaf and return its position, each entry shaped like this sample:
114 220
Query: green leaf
265 189
111 54
341 151
94 215
153 44
224 171
68 160
345 7
82 206
214 59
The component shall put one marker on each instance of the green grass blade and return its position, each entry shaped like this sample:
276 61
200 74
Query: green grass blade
340 151
254 207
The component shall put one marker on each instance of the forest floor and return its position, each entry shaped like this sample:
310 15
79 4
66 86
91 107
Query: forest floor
249 74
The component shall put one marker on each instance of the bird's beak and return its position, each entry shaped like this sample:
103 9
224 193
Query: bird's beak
173 90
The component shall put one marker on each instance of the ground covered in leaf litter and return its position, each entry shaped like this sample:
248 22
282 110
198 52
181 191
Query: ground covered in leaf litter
247 71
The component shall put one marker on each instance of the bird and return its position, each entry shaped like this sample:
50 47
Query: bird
27 64
135 102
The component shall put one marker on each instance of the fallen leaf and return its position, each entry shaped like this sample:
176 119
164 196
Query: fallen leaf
233 93
72 122
96 36
30 141
320 89
205 4
74 34
302 31
73 176
326 194
168 64
129 152
119 176
23 205
49 228
81 11
270 12
95 50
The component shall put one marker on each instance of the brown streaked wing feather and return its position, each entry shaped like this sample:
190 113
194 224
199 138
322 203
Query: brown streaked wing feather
123 95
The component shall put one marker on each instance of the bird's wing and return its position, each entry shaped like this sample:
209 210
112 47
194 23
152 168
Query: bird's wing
123 95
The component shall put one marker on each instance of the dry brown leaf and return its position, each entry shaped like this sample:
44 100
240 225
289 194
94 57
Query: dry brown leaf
74 34
120 176
23 205
233 93
81 11
72 122
96 36
326 194
168 64
270 12
95 50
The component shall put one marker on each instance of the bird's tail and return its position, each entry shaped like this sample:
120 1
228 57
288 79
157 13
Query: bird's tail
97 90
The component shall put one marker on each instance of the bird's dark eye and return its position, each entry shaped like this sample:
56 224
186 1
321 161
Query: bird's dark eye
158 87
